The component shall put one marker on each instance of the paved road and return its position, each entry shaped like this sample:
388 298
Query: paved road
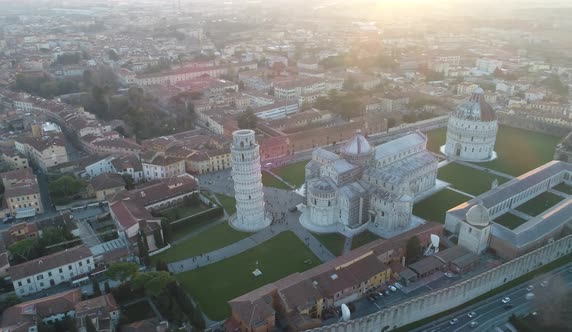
491 313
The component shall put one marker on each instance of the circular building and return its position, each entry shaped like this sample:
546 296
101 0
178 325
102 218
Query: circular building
250 213
472 130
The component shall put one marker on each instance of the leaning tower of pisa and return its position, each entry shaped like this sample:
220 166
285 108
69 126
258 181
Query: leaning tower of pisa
250 214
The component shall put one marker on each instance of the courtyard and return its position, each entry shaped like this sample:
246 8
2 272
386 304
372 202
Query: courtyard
539 204
510 220
467 179
435 206
213 285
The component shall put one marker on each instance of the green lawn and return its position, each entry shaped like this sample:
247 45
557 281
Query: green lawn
228 203
211 239
467 179
213 285
334 242
519 150
363 238
293 173
434 207
188 227
181 212
563 187
138 311
539 204
510 220
436 138
269 180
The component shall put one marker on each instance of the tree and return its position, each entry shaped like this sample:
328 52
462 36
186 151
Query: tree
129 182
167 231
96 288
153 283
8 301
106 287
247 120
158 238
122 271
66 186
197 318
89 326
24 250
413 250
143 249
160 265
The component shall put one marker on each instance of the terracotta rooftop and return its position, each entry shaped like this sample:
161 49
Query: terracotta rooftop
49 262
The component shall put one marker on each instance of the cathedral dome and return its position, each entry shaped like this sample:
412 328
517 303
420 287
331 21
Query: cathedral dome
476 108
478 215
357 146
322 186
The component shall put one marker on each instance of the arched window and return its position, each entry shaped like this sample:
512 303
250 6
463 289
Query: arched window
241 144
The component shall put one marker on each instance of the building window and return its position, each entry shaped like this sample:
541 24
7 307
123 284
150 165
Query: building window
69 267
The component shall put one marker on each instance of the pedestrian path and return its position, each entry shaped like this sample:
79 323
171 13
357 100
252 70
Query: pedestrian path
281 179
461 192
484 169
521 214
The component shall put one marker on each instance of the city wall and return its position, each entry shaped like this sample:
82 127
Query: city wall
451 297
534 125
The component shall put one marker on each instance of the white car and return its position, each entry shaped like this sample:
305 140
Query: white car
449 275
398 285
529 288
544 283
453 321
473 324
392 288
267 164
505 300
472 314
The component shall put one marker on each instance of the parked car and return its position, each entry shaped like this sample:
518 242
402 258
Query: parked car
385 292
392 288
398 285
505 300
472 314
508 306
380 294
544 283
473 324
453 321
449 274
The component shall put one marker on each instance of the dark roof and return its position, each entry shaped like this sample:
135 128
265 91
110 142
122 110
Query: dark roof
49 262
452 253
427 264
107 181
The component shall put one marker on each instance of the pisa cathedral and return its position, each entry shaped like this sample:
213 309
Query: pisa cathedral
366 186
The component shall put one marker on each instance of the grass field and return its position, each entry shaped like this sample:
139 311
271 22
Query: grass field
563 187
510 220
183 211
228 203
539 204
435 207
217 237
437 137
334 242
363 238
467 179
188 227
519 150
269 180
293 173
213 285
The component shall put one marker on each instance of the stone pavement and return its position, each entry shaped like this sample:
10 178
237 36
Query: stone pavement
347 245
87 234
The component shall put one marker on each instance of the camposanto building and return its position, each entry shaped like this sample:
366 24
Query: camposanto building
472 130
367 186
250 213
